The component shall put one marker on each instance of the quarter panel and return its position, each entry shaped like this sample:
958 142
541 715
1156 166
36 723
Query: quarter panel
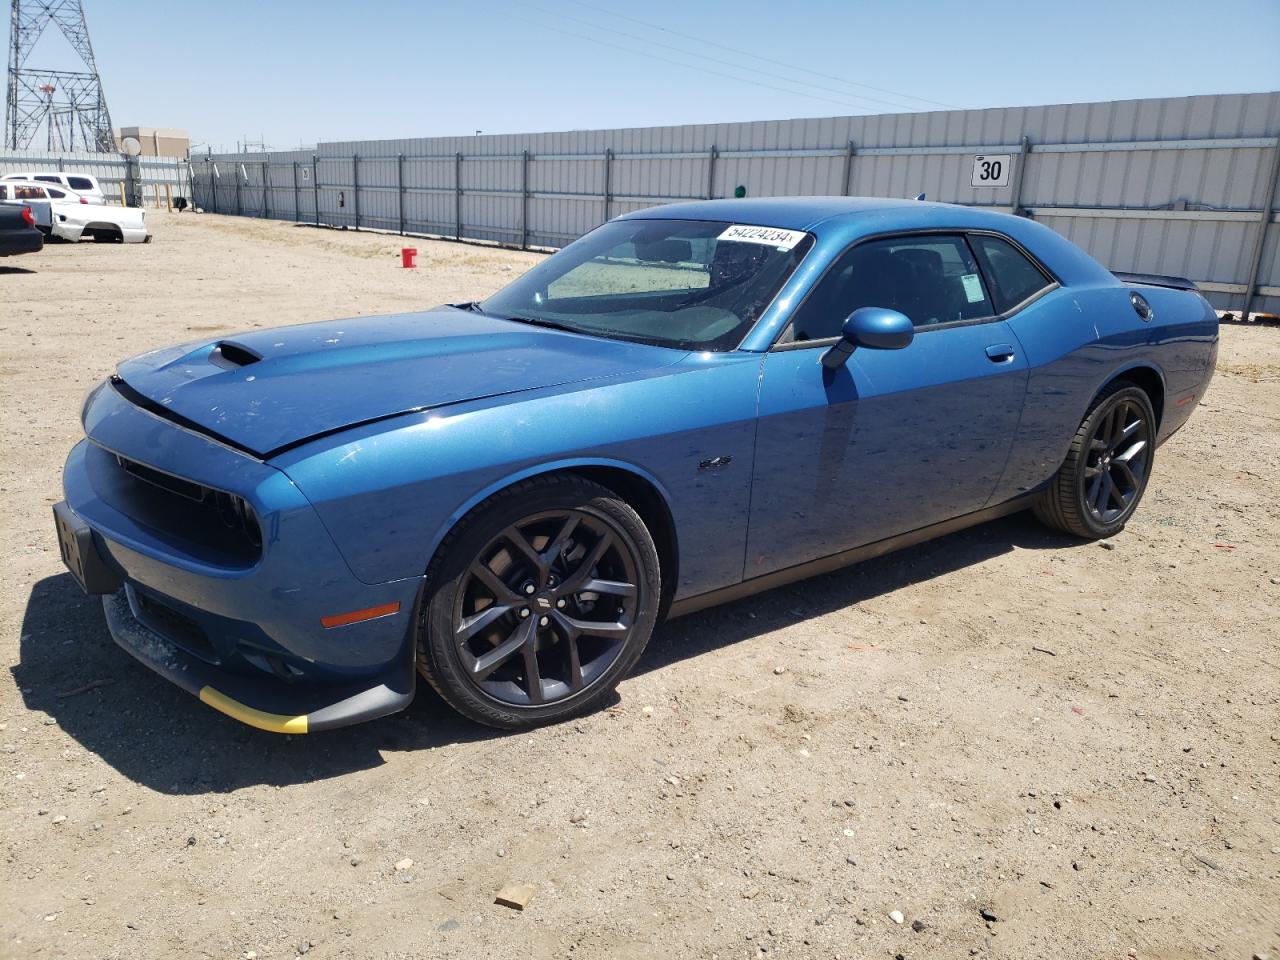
1079 339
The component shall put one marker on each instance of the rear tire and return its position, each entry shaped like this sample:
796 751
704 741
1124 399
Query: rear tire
538 603
1099 486
1102 480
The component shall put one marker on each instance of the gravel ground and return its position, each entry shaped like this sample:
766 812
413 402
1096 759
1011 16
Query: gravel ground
1082 742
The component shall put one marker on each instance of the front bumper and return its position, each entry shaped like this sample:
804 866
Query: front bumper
259 701
243 632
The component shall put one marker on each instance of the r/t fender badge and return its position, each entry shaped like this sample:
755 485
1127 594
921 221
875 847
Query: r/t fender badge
715 463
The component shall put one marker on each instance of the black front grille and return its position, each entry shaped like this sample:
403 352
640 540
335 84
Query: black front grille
203 516
165 481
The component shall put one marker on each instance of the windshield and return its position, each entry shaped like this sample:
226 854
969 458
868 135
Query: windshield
676 283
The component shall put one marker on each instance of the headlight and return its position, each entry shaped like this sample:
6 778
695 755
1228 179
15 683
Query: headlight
90 395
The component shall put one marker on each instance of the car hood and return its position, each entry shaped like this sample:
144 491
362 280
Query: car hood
270 390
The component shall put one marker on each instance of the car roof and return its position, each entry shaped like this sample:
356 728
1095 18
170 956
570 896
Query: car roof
838 221
30 174
837 216
790 213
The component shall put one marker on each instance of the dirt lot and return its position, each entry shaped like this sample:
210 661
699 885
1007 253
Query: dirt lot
776 778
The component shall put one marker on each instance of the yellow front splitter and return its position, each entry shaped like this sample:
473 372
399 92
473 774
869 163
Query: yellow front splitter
271 722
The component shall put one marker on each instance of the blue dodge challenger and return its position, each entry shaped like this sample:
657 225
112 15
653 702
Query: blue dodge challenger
690 404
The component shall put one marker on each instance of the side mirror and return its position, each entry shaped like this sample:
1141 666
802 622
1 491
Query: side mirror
876 328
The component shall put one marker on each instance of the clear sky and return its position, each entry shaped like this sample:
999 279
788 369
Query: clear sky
295 72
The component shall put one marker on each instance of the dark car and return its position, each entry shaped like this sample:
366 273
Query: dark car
18 231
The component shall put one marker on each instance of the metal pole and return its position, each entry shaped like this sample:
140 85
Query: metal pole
239 169
296 210
355 187
608 185
457 196
133 182
1016 193
1260 237
400 191
213 185
266 194
711 173
315 184
524 200
848 170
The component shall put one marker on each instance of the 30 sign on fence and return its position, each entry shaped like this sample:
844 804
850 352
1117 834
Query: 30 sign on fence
992 171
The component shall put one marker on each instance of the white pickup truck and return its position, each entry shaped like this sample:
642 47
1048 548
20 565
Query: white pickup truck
86 185
70 216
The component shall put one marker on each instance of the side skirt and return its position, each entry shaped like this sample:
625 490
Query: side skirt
846 558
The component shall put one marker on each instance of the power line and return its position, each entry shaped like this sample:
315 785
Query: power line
727 63
688 66
756 56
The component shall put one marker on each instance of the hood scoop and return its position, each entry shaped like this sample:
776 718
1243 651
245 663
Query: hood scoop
231 356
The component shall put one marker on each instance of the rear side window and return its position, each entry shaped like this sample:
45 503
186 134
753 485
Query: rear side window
56 194
1014 279
931 278
48 178
29 193
79 183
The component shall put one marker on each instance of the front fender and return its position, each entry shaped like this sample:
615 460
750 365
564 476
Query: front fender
389 493
551 466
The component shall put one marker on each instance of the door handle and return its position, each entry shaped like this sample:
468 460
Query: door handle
1000 352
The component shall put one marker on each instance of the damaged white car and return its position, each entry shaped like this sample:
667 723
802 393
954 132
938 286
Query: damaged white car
68 215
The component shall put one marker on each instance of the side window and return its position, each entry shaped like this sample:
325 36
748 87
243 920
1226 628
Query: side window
1013 277
29 193
79 183
931 278
48 178
56 194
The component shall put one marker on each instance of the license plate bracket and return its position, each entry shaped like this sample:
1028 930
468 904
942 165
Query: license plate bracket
80 554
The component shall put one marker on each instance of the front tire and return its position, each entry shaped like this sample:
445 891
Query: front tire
538 603
1099 486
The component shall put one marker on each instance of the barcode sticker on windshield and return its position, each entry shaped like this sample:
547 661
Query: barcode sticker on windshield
769 236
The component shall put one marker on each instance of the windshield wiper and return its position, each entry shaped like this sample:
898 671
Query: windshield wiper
550 325
472 305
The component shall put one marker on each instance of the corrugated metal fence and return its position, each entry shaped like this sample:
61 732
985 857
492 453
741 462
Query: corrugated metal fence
1181 186
159 177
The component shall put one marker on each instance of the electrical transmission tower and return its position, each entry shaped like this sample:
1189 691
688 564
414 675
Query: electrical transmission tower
68 105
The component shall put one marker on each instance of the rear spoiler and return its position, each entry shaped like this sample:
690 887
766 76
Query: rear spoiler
1155 280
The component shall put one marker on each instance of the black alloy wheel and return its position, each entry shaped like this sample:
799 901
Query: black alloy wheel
1115 471
542 601
1102 480
545 608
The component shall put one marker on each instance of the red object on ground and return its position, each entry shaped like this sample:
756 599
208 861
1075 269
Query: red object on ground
408 256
